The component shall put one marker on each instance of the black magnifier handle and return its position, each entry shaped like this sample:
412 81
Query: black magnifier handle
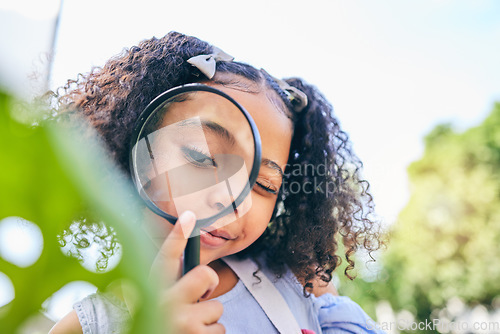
192 252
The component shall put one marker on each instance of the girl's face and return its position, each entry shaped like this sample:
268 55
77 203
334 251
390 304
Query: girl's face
275 128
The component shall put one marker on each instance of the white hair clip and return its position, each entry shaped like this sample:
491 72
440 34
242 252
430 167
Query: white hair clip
297 98
207 63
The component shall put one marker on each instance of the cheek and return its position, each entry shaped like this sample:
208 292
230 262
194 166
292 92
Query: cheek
261 212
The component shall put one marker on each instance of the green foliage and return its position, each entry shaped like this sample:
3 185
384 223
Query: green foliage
446 242
51 178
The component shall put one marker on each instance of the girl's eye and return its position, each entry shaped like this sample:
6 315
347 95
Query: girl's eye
267 186
198 158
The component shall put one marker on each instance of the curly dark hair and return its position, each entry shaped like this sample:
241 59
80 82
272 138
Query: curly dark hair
305 225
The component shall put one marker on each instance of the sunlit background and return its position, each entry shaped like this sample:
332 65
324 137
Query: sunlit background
393 69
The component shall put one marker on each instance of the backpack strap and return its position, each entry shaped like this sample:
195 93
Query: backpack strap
266 294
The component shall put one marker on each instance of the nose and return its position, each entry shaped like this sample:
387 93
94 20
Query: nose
220 200
220 197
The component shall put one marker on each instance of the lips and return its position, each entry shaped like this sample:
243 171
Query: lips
220 234
215 238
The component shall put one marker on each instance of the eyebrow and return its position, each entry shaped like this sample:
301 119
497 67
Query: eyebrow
212 127
273 165
218 129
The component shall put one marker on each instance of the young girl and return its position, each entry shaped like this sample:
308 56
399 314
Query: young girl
308 195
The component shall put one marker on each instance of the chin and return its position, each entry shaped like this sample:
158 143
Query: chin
208 257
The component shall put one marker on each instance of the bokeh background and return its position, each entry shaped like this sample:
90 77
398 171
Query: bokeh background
414 84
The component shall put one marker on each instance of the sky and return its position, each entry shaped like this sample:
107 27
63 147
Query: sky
393 69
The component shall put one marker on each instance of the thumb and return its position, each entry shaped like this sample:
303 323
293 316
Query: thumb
174 245
170 254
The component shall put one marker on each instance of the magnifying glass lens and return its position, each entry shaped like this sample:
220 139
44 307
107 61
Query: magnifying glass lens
195 151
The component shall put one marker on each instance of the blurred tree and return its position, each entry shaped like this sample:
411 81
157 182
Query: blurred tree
446 241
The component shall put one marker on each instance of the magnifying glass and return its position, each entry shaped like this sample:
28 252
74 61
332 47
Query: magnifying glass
195 148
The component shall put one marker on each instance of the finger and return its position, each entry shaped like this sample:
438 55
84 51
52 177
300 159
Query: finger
216 328
206 313
212 309
193 318
175 243
198 283
167 263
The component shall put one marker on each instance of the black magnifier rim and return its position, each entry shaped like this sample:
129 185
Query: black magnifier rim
143 118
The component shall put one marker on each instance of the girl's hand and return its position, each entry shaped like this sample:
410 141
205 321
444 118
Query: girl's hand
187 315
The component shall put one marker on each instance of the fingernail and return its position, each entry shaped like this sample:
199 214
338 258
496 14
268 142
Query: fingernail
207 294
187 220
186 215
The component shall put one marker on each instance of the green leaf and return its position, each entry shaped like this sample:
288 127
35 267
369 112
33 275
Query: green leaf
51 176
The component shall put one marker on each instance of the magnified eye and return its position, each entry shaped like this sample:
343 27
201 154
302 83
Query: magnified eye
198 158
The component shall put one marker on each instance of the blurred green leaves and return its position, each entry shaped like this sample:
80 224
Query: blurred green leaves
446 242
51 176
